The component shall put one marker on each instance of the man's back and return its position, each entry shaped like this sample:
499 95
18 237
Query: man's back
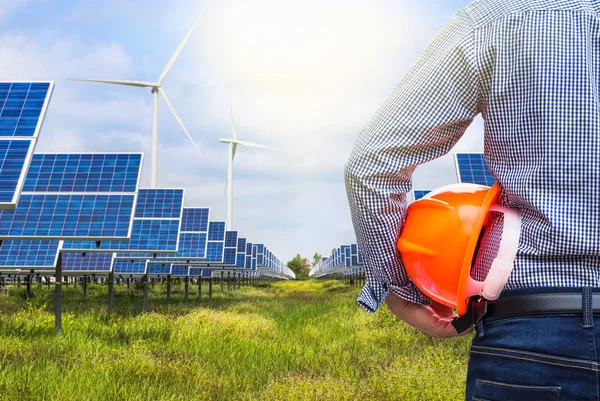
538 70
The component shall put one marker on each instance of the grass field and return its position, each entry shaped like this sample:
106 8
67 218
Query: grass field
281 341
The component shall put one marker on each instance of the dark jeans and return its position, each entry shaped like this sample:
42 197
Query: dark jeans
536 358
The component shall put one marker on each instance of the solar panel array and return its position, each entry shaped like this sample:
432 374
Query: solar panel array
89 207
345 259
23 107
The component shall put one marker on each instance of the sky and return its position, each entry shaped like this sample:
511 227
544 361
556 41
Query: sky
302 76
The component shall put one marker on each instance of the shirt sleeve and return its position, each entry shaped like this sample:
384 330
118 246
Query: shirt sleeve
421 120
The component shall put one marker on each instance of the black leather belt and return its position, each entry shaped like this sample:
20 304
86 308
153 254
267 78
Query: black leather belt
525 305
538 304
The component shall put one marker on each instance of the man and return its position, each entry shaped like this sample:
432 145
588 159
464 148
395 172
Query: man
532 69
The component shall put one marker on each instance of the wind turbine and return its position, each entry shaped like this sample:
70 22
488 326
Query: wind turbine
156 90
233 143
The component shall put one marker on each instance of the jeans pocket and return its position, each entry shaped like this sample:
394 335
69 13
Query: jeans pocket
487 390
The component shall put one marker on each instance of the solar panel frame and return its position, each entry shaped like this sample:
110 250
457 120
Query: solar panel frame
200 272
125 267
240 262
158 269
18 255
72 263
23 121
180 270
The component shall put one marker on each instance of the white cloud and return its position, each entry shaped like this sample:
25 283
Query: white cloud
304 76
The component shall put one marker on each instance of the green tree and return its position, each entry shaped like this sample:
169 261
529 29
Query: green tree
300 266
316 259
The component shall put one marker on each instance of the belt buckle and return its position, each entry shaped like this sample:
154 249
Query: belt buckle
478 309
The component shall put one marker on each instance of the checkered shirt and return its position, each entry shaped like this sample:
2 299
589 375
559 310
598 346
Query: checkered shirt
532 69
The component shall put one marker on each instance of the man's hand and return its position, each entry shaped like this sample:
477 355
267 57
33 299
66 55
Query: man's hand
435 320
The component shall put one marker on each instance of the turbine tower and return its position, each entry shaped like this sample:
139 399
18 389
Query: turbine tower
233 143
156 90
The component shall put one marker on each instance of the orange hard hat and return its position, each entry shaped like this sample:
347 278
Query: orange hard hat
440 237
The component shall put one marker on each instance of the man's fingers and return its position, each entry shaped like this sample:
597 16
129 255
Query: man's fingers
424 318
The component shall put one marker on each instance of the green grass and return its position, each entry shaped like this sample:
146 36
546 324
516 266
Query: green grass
281 341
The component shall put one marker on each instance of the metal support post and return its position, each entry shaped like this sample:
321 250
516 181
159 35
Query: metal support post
58 291
145 280
186 281
111 292
169 290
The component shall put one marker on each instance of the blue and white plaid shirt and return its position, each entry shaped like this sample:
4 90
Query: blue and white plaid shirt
532 69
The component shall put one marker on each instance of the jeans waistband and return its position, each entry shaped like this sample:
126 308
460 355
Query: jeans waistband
544 301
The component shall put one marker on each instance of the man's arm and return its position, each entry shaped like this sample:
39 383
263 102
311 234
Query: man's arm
421 120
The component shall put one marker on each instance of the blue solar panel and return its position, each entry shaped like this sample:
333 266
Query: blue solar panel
13 162
23 107
159 269
215 245
192 238
155 227
241 253
231 239
179 271
215 248
159 204
90 263
230 250
216 231
64 215
356 261
195 220
90 172
420 193
260 248
146 236
229 256
39 216
29 254
200 272
135 267
473 169
214 252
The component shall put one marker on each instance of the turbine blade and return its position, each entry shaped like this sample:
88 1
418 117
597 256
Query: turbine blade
233 153
140 84
164 96
177 51
254 145
232 124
